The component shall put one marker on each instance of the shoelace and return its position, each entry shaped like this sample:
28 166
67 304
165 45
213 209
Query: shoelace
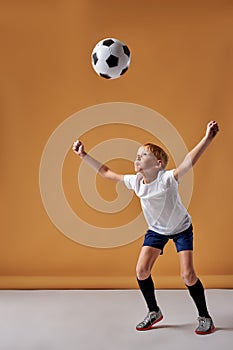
146 319
202 321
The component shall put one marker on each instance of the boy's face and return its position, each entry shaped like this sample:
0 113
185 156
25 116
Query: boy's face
145 160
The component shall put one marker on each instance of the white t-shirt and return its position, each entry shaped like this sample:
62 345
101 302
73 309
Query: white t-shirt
161 203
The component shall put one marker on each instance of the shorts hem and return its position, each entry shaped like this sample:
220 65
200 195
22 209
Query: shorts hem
183 240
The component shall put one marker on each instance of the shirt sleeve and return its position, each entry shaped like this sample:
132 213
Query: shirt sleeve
130 181
169 179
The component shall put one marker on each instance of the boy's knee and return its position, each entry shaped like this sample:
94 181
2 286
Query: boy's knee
189 277
142 272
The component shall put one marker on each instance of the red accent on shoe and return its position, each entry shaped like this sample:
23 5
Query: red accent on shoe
212 329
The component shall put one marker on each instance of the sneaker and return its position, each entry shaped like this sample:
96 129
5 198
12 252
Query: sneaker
151 318
206 326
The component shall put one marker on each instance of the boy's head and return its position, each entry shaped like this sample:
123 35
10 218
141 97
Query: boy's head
158 152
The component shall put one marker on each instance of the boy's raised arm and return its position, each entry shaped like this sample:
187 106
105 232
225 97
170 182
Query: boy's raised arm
197 151
100 168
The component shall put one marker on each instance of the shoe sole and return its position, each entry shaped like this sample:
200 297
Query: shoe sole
212 329
149 327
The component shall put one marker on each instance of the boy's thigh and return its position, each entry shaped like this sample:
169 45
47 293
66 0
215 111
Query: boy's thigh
147 257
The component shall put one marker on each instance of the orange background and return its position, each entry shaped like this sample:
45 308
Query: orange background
182 54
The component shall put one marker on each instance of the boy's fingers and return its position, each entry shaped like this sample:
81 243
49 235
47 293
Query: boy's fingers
76 145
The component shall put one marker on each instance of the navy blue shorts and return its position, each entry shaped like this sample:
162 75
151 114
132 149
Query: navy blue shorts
183 240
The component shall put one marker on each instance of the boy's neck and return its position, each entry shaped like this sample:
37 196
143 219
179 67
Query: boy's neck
149 177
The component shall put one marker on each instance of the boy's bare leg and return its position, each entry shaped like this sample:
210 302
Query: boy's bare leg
146 260
186 267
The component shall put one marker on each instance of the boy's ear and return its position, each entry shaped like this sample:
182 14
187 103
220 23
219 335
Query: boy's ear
160 163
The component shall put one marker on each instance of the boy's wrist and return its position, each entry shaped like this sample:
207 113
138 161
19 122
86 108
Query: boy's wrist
208 138
82 155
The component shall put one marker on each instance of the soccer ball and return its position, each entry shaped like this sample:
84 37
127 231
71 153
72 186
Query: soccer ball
110 58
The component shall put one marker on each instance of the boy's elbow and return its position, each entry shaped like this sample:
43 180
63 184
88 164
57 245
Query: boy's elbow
103 170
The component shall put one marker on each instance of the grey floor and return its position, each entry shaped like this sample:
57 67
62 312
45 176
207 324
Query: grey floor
105 320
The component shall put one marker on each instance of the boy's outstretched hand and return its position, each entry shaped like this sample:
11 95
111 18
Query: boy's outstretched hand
78 148
212 130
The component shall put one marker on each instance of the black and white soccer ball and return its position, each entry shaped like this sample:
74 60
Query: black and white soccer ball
110 58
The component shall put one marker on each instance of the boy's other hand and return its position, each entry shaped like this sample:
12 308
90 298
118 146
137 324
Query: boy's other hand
212 129
78 148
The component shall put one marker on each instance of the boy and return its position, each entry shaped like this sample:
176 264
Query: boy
167 219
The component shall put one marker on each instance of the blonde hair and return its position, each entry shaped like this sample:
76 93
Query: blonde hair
159 153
